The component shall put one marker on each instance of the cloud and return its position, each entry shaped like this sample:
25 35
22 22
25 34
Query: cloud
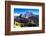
16 14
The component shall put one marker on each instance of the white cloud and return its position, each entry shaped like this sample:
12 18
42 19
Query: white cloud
16 14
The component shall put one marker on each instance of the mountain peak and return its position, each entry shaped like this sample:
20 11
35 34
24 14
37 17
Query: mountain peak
27 14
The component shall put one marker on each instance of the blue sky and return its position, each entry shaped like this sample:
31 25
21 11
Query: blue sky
22 11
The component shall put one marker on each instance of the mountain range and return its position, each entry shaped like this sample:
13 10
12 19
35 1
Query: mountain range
27 17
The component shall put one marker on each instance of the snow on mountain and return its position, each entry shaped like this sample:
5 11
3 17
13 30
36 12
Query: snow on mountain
28 14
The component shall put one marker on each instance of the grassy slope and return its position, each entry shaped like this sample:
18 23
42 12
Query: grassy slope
18 24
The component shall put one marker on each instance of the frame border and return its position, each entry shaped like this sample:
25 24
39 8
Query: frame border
8 16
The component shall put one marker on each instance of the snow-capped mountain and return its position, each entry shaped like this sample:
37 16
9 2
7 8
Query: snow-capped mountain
28 14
